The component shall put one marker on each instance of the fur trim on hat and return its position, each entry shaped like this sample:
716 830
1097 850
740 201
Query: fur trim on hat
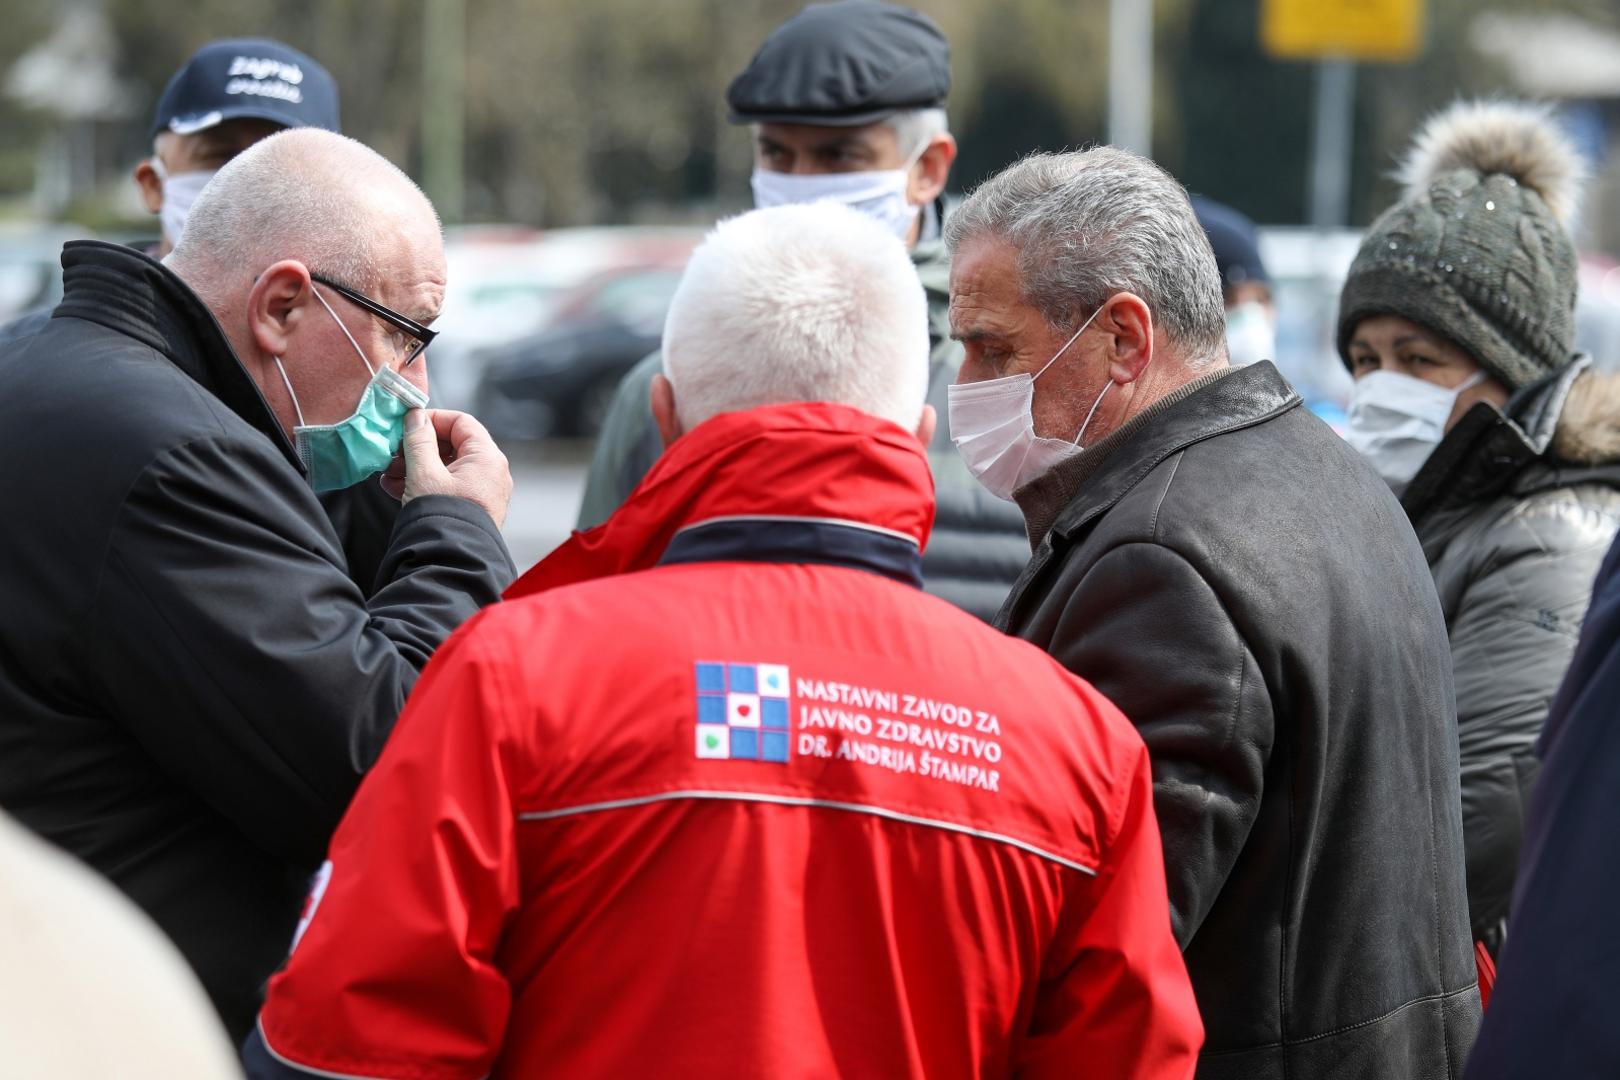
1516 139
1589 427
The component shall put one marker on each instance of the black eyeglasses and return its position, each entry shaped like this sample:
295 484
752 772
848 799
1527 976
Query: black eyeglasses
421 336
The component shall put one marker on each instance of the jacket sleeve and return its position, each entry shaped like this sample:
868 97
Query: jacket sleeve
1512 632
393 973
1122 1002
626 447
230 642
1195 695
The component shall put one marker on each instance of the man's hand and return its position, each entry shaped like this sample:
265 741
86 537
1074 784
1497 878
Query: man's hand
450 453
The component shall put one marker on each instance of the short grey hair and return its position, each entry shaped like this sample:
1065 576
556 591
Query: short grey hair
804 302
306 194
914 129
1088 224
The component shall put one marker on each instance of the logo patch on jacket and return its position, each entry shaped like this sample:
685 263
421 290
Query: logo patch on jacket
742 711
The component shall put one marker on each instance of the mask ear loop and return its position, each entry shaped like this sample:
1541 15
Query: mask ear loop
345 330
288 383
1107 386
1066 345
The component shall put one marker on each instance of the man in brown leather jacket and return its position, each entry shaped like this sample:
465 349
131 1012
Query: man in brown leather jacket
1221 565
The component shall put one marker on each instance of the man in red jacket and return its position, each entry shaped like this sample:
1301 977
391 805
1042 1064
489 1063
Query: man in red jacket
721 791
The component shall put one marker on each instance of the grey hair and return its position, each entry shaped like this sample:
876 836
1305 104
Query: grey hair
1091 223
306 194
914 129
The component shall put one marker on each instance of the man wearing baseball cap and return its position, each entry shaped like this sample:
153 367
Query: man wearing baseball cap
229 95
846 101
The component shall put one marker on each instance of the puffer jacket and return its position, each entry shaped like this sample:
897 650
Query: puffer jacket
1515 509
978 546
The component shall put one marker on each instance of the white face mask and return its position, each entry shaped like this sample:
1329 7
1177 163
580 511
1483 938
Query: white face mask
993 427
1250 334
179 192
880 194
1396 421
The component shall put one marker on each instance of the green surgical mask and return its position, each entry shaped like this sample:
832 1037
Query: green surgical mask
343 454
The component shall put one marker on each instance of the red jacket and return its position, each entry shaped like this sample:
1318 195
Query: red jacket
750 805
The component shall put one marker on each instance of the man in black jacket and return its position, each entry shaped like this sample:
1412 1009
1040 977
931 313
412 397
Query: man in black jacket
191 685
1225 569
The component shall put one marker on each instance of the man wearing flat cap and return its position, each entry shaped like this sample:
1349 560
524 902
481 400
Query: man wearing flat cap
846 103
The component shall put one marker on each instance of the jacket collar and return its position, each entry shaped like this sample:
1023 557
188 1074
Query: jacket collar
1242 398
1485 452
765 484
137 296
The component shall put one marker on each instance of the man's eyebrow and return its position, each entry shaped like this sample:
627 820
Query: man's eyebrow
977 333
765 142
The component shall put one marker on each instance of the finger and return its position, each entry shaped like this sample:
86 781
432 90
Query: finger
421 446
396 467
459 428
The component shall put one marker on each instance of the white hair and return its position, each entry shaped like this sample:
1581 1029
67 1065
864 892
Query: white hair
808 302
1088 224
306 194
914 129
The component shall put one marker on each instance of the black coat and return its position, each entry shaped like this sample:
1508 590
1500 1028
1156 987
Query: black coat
191 685
1250 594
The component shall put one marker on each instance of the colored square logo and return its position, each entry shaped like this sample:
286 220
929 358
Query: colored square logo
773 712
711 678
713 741
743 680
773 746
773 680
742 710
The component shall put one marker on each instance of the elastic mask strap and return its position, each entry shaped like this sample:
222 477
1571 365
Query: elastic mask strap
345 330
288 383
1107 386
1469 383
1066 345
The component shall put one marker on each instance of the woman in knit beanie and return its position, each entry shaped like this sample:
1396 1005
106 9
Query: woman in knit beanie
1457 322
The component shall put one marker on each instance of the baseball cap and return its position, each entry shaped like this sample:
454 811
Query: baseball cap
842 64
254 78
1235 240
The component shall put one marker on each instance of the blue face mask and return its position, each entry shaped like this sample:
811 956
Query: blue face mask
343 454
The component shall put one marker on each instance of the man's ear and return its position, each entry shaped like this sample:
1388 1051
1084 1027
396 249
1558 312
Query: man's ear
151 185
929 174
926 425
663 409
277 303
1128 319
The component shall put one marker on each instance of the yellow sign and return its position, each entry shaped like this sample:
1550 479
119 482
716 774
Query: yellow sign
1353 29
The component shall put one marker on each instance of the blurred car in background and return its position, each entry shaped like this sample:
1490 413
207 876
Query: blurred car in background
562 380
507 283
31 267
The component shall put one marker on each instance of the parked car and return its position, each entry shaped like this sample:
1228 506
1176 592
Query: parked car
507 283
562 380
